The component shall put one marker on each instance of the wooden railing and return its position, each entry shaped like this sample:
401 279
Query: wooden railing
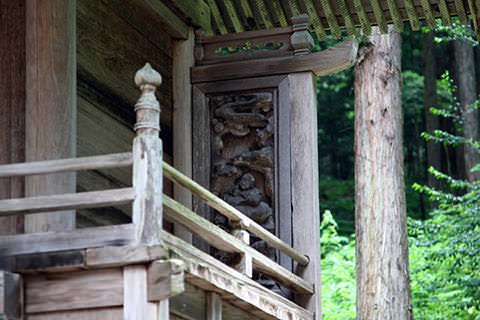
147 200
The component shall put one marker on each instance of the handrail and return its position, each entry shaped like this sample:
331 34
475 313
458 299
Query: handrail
58 202
232 213
222 240
114 160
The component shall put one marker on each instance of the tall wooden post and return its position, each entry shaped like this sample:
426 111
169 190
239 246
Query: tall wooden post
147 159
182 121
12 104
304 170
50 103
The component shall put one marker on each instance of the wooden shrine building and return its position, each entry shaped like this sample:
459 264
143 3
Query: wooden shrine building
101 153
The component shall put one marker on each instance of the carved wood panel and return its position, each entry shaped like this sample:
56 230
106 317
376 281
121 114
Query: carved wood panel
245 156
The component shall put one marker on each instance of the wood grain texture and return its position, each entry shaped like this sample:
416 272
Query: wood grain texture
183 60
165 279
329 61
66 240
50 103
214 306
60 202
111 313
381 242
74 290
11 296
209 274
12 103
136 305
305 205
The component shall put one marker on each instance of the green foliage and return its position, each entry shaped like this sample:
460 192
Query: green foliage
454 32
445 250
338 272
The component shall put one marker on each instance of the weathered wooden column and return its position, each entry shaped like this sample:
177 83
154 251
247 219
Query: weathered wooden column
147 182
147 159
182 121
50 125
305 202
12 104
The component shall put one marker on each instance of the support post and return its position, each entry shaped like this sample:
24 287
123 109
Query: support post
11 296
182 122
147 159
50 125
305 205
214 306
135 302
165 279
245 265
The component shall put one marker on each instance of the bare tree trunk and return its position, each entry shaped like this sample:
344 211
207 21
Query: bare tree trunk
383 282
465 74
432 121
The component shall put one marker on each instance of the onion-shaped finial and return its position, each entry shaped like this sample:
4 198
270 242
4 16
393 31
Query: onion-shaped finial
147 75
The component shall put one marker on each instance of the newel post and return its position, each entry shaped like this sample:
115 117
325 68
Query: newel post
147 159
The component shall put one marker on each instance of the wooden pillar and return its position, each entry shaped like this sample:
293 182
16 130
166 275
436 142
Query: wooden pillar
305 203
12 103
50 119
135 302
147 159
183 60
11 296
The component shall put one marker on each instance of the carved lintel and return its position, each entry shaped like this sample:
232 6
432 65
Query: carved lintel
301 40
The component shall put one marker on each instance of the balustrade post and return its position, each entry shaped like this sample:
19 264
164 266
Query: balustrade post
147 159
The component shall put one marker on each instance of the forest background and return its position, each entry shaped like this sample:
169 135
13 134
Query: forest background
442 201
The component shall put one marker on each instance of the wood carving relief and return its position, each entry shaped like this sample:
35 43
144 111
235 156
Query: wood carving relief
242 135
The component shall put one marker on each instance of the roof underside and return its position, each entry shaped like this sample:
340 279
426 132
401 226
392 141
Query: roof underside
230 16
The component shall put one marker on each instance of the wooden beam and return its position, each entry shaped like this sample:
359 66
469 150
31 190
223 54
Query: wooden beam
462 15
331 19
313 10
12 103
427 10
220 239
230 212
50 103
11 296
209 274
108 313
174 25
197 10
379 16
66 240
349 24
442 5
67 201
474 6
90 258
363 17
329 61
74 290
395 13
183 60
305 205
217 16
232 13
165 279
65 165
135 302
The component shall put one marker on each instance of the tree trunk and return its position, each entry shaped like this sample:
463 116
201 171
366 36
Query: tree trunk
465 74
432 121
383 284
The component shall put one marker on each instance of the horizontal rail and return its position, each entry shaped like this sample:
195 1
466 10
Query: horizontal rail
64 165
221 239
232 213
68 201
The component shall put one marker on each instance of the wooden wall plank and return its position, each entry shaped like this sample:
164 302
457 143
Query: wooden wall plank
50 103
305 205
111 313
74 290
12 103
